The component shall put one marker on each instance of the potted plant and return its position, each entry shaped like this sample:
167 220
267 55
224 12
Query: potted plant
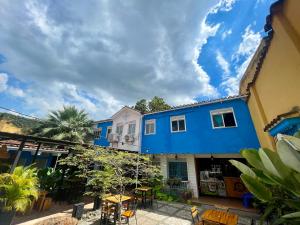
17 191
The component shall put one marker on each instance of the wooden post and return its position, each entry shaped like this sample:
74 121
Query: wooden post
36 152
18 156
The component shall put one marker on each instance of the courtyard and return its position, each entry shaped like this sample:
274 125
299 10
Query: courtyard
162 213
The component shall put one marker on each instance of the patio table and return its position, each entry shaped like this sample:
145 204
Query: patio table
220 217
117 199
144 191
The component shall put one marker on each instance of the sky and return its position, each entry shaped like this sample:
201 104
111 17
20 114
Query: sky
100 55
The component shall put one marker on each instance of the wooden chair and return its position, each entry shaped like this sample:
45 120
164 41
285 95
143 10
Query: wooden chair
196 216
131 212
107 210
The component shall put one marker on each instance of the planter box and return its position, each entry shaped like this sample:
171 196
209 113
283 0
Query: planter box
6 217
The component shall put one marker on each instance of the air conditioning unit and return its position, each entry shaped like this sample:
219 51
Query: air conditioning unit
129 138
112 138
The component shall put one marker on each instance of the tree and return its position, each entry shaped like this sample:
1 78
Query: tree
154 105
158 104
117 170
141 106
274 179
68 124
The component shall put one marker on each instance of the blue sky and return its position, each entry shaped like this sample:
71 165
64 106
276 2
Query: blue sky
106 54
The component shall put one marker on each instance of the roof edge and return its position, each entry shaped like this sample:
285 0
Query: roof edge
229 98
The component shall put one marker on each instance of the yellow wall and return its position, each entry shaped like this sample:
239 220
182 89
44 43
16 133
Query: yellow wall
277 87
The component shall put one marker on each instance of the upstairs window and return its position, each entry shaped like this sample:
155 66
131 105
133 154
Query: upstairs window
131 128
178 123
119 129
150 127
108 131
223 118
97 133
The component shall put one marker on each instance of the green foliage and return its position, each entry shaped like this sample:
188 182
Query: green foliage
18 189
158 104
141 106
116 171
274 179
154 105
174 181
49 178
68 124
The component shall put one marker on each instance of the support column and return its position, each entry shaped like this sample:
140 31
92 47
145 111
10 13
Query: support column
164 166
36 152
19 152
191 167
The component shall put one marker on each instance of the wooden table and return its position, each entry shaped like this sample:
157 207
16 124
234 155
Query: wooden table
117 199
220 217
144 191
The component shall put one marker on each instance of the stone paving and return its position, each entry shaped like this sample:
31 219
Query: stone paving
162 213
165 213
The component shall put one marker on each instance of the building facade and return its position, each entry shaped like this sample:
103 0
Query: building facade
121 131
272 80
190 140
192 143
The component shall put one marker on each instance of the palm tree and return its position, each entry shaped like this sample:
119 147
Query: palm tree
68 124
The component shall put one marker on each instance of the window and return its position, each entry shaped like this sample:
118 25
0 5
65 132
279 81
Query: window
150 127
178 123
178 170
223 118
97 133
131 128
119 129
108 131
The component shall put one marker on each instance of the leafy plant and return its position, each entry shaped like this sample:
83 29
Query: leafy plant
49 178
18 189
274 179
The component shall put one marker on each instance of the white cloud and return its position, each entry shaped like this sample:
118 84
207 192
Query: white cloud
246 49
3 82
250 41
223 63
224 5
106 54
226 33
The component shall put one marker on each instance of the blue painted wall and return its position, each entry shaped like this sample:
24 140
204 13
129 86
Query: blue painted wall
26 158
200 137
102 141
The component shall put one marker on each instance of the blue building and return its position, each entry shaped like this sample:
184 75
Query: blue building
102 130
194 142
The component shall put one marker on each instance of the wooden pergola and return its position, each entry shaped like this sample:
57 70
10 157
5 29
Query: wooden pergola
51 144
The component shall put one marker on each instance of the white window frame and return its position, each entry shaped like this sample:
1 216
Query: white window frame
222 111
176 118
130 123
154 126
109 127
118 125
98 129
